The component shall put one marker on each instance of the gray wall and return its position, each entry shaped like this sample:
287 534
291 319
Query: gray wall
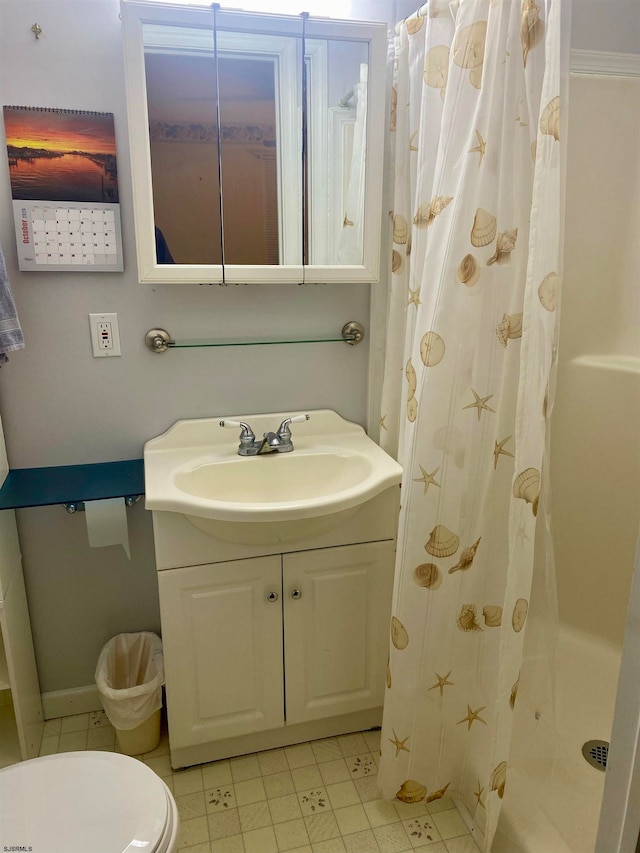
612 25
61 406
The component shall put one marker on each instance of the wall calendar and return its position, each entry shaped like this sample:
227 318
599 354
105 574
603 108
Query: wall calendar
64 186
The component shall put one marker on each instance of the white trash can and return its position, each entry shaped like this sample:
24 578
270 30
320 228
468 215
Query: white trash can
129 677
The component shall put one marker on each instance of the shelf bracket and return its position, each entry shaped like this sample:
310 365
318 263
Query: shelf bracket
78 506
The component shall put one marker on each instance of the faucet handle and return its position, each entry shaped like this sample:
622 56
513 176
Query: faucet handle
283 429
247 436
246 429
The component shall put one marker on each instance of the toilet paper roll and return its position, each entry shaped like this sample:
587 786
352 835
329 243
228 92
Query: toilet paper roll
107 523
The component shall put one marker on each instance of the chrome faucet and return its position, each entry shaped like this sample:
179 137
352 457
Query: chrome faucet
271 442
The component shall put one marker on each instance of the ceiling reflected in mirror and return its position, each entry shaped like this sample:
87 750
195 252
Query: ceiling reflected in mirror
324 8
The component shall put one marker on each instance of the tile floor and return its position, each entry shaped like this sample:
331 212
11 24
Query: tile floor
317 797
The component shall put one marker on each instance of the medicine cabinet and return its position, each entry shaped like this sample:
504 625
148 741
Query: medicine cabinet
256 144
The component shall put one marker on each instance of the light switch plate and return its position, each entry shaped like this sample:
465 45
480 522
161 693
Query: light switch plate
105 336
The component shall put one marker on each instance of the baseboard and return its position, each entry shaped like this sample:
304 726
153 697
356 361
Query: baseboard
76 700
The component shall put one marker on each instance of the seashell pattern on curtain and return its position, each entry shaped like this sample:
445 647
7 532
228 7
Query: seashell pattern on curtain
473 307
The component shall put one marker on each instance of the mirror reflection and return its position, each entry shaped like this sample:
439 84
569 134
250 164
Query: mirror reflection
337 112
258 218
183 135
181 93
249 167
225 187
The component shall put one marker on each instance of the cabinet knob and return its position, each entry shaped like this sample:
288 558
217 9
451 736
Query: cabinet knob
272 596
296 594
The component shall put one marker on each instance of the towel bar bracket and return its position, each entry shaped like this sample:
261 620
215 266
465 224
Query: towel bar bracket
158 340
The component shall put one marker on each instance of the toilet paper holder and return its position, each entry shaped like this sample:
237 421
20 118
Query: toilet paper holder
78 506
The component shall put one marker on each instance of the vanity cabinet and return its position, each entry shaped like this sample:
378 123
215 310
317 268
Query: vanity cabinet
274 644
275 578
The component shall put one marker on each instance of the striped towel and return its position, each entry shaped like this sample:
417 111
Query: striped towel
11 337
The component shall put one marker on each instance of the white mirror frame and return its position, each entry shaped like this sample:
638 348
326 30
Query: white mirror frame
137 14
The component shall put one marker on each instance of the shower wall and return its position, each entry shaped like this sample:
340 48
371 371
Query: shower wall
553 797
595 444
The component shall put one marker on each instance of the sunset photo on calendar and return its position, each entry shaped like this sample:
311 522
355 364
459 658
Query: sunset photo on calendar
61 155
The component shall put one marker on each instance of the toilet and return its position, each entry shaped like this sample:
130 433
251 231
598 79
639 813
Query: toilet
86 802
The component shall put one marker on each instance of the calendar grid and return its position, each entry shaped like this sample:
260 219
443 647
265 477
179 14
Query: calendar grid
66 236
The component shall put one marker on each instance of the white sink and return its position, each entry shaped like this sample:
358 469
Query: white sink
194 469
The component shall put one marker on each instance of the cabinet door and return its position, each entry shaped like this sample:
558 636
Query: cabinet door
337 605
222 641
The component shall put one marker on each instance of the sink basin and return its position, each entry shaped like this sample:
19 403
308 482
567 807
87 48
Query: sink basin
302 476
194 469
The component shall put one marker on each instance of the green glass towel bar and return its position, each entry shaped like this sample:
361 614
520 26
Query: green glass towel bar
159 340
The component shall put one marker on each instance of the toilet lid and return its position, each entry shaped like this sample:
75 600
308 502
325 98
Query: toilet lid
77 802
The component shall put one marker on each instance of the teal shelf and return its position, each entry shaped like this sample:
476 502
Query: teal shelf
28 487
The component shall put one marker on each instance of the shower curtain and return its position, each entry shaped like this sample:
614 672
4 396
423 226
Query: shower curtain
351 242
472 323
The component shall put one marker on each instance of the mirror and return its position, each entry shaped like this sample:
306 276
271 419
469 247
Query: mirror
222 188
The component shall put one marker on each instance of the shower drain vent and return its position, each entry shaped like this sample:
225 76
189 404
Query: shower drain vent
596 753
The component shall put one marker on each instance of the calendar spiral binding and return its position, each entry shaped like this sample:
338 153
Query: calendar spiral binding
58 110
